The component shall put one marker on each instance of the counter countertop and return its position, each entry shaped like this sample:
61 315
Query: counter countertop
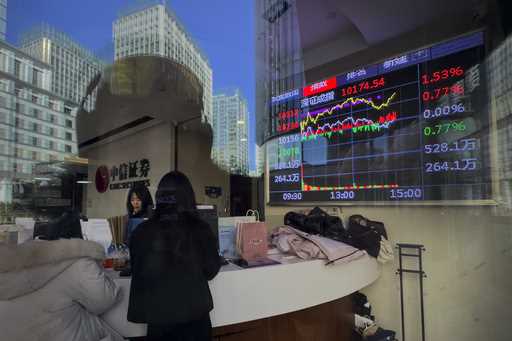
256 293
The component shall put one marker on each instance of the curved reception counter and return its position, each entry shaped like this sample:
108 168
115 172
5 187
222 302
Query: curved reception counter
275 302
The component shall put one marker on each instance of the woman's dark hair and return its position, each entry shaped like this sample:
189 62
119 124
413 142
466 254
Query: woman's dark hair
174 196
143 194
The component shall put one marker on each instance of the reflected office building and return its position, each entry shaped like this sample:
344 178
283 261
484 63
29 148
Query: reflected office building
73 65
36 125
500 96
230 124
279 64
3 18
153 29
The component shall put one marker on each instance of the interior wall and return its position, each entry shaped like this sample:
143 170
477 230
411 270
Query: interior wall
153 143
468 262
195 161
444 29
156 144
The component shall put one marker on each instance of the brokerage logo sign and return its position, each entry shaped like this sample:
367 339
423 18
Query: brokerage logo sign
123 176
102 179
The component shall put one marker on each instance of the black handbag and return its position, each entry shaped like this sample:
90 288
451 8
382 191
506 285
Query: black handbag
317 222
296 220
365 234
65 226
328 226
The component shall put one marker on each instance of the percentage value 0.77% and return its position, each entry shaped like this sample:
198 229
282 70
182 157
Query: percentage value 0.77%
444 128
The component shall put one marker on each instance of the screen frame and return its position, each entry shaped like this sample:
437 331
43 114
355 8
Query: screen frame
493 151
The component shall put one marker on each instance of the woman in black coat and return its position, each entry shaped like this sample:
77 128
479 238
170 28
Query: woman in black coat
139 205
173 256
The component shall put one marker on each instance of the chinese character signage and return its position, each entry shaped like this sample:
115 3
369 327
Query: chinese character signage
122 176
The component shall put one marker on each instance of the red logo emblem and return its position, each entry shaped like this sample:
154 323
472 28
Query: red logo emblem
102 179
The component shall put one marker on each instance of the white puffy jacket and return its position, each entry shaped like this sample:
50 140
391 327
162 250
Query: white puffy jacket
55 290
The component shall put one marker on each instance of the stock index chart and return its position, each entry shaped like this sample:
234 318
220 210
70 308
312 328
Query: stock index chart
412 128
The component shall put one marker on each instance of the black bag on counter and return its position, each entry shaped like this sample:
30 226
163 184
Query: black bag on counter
366 234
66 226
317 222
296 220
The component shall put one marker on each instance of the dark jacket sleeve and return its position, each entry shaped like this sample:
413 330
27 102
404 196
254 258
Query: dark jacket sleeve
211 262
137 242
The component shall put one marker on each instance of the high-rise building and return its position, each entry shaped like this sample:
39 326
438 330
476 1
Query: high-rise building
35 124
259 157
230 126
154 29
3 19
279 62
73 65
499 88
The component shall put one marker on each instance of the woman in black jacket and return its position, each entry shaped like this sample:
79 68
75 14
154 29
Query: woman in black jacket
173 256
139 205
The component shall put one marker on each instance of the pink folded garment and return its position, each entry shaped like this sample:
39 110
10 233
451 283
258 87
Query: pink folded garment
290 242
308 246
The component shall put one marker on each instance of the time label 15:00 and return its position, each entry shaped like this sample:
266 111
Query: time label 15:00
406 193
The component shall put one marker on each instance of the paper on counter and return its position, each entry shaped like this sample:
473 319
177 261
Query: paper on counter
98 230
26 229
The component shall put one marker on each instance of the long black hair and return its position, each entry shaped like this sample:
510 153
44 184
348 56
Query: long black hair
175 197
143 194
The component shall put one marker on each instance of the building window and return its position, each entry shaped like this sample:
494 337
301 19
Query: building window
35 127
34 141
69 136
69 123
36 77
35 99
51 145
17 68
51 131
51 118
34 156
68 149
